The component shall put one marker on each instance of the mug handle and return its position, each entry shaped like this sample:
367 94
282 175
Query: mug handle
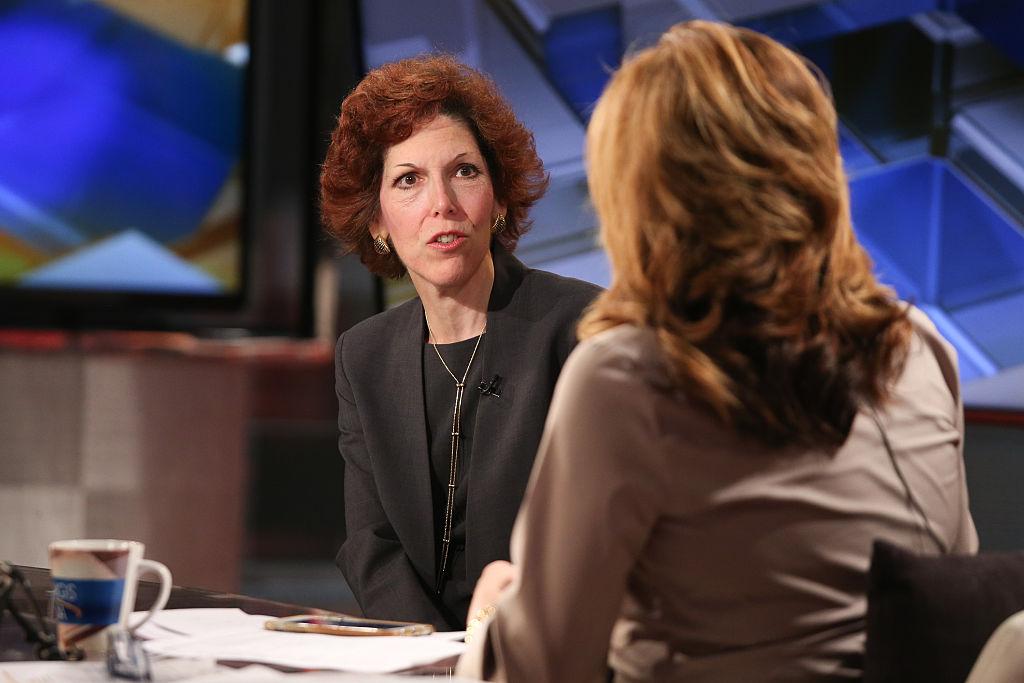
155 567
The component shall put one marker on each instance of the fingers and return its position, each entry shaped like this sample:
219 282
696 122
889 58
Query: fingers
494 580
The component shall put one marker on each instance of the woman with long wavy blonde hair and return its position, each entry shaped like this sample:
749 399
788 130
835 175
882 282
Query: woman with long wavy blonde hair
716 462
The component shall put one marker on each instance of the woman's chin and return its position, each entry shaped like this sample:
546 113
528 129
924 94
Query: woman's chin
452 274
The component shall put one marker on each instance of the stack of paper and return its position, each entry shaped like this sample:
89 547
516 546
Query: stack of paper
96 672
184 645
232 635
164 671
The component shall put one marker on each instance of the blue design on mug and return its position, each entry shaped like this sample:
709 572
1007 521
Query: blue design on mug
87 601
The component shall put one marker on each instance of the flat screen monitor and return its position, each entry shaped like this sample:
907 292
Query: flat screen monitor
124 164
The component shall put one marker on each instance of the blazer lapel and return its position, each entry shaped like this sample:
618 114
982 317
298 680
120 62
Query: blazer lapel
504 327
488 461
407 496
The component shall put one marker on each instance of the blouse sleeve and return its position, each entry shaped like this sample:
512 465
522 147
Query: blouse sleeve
965 538
593 499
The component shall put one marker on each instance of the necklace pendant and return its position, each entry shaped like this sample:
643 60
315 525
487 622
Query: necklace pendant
460 385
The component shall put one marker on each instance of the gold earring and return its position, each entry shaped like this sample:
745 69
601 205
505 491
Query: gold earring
381 246
499 224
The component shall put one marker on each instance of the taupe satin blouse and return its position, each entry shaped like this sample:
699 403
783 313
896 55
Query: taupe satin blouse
654 541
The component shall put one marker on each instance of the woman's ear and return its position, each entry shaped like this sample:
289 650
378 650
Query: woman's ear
377 230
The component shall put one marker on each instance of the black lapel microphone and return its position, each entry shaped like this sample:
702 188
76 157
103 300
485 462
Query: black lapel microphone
492 388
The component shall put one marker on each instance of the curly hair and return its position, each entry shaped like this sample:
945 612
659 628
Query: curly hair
716 176
387 107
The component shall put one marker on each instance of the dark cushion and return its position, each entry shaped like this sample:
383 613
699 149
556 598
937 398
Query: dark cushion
929 616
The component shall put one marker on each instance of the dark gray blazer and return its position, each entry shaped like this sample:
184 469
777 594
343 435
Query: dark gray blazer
388 556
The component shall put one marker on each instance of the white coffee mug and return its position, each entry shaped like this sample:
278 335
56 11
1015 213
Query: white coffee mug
94 584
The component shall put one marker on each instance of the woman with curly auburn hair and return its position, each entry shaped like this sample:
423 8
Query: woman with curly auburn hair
442 400
737 425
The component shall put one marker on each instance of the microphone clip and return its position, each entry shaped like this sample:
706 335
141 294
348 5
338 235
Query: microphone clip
491 388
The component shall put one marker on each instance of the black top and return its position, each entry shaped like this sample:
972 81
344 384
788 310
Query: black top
439 402
389 556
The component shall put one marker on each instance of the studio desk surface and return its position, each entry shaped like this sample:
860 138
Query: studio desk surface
14 646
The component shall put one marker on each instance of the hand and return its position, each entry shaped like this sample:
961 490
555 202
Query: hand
494 580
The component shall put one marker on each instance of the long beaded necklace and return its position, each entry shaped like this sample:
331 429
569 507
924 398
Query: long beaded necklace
449 510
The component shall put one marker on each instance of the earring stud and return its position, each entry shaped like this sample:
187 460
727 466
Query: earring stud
381 246
499 224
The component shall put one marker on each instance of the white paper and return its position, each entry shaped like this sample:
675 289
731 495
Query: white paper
373 654
53 672
164 671
257 673
228 634
326 677
96 672
195 622
254 673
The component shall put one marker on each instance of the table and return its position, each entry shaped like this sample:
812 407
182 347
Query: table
14 647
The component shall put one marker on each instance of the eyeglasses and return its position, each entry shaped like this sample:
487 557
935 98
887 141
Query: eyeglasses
37 630
125 656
